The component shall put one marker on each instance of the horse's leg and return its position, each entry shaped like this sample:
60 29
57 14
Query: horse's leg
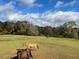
30 53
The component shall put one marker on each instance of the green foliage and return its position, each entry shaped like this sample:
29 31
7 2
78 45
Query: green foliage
21 28
69 29
32 30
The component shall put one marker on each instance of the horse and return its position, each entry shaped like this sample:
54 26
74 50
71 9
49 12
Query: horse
31 46
23 54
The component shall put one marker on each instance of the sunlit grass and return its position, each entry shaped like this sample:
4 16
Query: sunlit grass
50 48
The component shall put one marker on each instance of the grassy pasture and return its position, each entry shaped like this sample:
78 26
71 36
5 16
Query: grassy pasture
49 48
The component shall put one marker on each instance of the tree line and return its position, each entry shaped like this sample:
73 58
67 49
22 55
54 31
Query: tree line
68 29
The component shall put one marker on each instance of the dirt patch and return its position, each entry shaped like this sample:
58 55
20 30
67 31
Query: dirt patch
52 45
43 56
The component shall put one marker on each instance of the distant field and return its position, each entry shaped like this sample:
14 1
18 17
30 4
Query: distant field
49 48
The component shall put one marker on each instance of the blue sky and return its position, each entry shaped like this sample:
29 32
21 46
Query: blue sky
40 12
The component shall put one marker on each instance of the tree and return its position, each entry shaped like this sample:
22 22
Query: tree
7 27
32 30
21 27
48 31
75 33
60 31
1 26
71 29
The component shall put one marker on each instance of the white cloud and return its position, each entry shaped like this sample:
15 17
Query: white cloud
71 3
59 4
33 18
38 5
30 3
45 19
6 7
60 17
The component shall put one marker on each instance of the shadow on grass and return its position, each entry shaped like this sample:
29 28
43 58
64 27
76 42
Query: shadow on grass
15 57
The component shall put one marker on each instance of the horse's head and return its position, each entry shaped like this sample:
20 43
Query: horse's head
23 53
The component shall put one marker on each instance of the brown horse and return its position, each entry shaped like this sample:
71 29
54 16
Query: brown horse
23 54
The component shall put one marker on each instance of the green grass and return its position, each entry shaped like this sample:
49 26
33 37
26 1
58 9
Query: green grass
49 48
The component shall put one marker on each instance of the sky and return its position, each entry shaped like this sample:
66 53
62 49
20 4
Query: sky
40 12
